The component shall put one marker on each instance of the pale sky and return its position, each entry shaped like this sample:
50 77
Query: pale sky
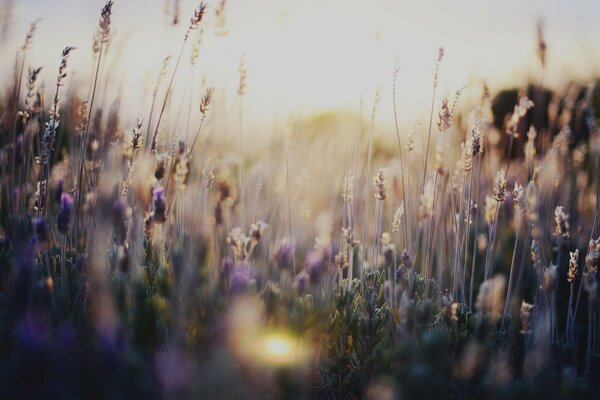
311 55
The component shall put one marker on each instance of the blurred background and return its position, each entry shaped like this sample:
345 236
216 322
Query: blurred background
307 56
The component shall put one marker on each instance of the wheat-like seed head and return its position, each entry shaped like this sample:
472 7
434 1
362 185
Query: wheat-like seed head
592 259
572 272
196 19
476 138
536 254
541 43
398 218
500 186
467 155
243 71
490 210
221 20
518 194
348 187
444 115
519 112
206 101
30 34
526 313
379 182
562 223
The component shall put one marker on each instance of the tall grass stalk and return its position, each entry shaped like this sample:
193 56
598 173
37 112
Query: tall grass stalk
435 84
406 202
102 36
194 22
366 176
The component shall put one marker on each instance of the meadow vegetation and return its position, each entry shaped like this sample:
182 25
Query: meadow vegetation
161 259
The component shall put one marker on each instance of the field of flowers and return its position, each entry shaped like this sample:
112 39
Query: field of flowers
166 259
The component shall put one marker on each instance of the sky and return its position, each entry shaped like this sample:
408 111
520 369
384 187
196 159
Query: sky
306 56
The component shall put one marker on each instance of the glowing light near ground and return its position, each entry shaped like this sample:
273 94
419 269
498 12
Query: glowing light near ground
269 347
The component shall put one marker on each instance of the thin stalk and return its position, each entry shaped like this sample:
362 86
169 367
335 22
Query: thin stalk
406 237
85 135
241 171
467 235
492 235
289 199
366 209
425 156
475 236
430 235
457 246
164 104
510 275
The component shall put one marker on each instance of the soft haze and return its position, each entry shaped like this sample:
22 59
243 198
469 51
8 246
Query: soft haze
312 55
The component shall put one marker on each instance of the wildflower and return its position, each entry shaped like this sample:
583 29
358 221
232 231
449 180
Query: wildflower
572 271
592 259
241 277
409 144
519 112
491 296
121 214
562 223
500 186
41 232
205 102
284 254
550 274
314 265
444 116
530 151
490 210
467 155
379 182
243 71
519 197
256 231
159 204
103 32
237 242
397 218
63 220
406 260
536 254
301 282
526 312
476 139
30 33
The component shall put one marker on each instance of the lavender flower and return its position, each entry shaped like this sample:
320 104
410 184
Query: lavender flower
284 255
241 276
159 211
314 266
63 220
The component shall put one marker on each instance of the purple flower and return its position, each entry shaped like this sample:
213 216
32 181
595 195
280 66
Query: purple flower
159 212
302 282
120 224
284 255
240 278
314 265
41 232
60 187
399 274
63 220
226 268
